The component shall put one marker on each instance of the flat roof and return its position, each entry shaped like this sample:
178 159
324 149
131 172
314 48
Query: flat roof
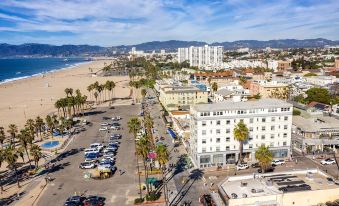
176 89
238 187
231 105
314 124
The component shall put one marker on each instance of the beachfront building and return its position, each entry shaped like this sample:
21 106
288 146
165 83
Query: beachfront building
212 142
269 89
295 187
201 56
174 97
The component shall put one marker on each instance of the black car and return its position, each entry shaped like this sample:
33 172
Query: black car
270 169
92 197
255 165
74 201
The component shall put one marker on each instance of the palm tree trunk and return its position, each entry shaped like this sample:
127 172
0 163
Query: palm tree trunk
139 177
16 175
29 160
146 176
164 186
240 150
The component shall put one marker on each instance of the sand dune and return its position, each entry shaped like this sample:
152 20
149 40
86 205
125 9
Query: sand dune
28 98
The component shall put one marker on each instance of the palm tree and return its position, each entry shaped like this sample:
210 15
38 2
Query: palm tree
163 158
12 130
209 79
143 93
30 125
2 135
36 154
39 123
21 153
69 91
264 156
214 86
240 133
2 159
96 97
62 125
25 140
50 124
143 147
134 126
11 157
148 123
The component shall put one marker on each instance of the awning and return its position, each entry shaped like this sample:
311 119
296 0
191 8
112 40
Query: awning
151 180
171 133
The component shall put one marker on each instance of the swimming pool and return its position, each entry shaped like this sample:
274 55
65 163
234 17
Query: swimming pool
50 144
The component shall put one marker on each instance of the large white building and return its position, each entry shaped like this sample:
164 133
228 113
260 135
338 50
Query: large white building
201 56
212 142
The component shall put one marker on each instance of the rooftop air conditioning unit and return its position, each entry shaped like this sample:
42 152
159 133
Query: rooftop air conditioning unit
243 184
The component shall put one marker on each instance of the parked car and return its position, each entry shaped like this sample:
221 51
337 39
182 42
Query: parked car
87 165
116 136
115 124
94 201
104 124
74 201
110 150
270 169
103 129
327 161
255 165
115 127
242 166
90 150
278 162
92 155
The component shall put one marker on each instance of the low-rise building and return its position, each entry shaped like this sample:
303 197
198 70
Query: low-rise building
181 97
269 89
304 187
212 142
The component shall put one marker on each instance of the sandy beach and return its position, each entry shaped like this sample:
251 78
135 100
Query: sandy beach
35 96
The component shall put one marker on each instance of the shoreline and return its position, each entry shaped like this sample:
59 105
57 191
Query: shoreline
34 96
44 72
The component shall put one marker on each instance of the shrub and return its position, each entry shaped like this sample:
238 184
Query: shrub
296 112
138 200
152 196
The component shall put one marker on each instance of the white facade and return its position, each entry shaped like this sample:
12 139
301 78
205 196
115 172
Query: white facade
212 142
201 56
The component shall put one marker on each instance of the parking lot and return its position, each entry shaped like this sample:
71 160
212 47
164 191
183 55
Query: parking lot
69 178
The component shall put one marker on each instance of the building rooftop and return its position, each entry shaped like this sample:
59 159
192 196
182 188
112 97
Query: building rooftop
224 92
314 124
257 185
230 105
175 89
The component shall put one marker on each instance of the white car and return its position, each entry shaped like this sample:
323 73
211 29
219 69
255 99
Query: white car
98 146
242 166
327 161
110 149
87 165
104 124
91 150
278 162
103 129
115 127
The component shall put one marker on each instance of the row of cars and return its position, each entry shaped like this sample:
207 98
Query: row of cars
274 163
115 125
85 201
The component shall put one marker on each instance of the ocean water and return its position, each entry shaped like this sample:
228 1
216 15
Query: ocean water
18 68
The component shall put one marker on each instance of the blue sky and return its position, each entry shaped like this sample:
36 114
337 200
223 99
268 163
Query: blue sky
115 22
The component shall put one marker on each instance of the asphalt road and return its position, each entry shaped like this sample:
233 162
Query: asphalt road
118 190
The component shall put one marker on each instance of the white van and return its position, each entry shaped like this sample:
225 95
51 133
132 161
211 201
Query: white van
98 146
90 150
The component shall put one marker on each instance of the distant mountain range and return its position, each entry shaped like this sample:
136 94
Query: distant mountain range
7 50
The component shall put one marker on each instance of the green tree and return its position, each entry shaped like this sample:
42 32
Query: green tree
12 130
2 135
50 124
36 154
264 156
319 95
214 86
10 156
2 159
142 149
143 93
26 139
311 74
30 125
134 126
240 133
163 158
39 123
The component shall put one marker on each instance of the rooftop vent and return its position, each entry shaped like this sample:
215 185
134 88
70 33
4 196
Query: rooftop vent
243 184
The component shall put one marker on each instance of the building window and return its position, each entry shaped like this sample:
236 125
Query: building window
250 146
227 148
272 128
228 121
263 120
251 120
217 140
203 149
228 139
203 141
218 131
263 128
203 123
251 129
228 131
285 118
217 148
272 136
285 126
285 135
284 143
218 122
273 119
263 136
203 132
271 144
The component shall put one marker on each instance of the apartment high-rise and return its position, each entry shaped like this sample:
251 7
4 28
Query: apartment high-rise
212 142
201 56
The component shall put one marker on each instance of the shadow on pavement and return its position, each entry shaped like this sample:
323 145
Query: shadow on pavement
11 199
